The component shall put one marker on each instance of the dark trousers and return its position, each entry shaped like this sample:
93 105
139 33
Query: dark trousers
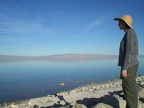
129 87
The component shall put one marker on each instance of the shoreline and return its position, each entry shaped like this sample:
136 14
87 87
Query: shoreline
86 95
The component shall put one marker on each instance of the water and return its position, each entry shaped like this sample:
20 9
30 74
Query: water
30 79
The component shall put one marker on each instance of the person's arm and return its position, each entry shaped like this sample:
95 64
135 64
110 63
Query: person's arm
128 52
128 49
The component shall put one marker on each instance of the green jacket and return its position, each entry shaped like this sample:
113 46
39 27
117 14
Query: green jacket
128 50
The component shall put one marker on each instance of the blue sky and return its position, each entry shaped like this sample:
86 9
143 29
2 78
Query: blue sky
53 27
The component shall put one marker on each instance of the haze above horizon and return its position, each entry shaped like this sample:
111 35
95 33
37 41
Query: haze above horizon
54 27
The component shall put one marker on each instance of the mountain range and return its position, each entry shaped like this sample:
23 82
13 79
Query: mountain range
63 57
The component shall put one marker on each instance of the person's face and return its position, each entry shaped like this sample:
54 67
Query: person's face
121 24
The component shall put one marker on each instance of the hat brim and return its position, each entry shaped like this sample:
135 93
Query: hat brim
117 19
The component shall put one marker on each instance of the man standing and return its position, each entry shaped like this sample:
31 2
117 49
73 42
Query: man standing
128 61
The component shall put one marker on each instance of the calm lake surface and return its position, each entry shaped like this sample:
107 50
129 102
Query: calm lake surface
30 79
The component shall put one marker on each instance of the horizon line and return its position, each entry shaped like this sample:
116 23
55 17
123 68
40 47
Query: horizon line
55 54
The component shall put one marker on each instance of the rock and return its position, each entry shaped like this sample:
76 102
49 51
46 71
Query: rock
102 105
62 84
29 103
79 106
52 96
141 93
73 91
63 107
140 104
62 102
141 83
122 103
13 106
68 80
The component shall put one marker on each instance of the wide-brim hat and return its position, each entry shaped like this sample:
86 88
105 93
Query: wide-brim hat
127 19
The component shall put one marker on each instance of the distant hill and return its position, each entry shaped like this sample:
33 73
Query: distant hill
63 57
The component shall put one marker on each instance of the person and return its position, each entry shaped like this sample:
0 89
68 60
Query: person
128 60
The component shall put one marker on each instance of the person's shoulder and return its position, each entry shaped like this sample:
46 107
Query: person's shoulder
131 31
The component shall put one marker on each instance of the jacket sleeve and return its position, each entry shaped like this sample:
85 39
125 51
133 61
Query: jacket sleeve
129 47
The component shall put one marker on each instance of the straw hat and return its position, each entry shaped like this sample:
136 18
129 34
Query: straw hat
127 19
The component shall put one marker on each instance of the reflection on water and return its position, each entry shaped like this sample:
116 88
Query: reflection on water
28 79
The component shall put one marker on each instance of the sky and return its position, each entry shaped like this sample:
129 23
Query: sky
54 27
